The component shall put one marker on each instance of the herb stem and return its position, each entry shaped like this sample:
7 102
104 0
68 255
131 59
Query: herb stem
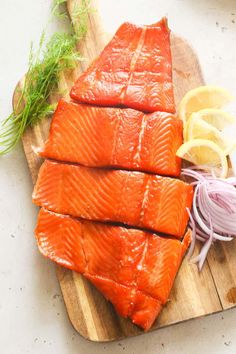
45 66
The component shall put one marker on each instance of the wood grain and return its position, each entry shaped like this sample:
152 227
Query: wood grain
193 294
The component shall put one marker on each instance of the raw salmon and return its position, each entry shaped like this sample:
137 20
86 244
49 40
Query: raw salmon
134 198
124 138
134 269
134 70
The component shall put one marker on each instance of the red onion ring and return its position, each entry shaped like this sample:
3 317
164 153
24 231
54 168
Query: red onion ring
213 215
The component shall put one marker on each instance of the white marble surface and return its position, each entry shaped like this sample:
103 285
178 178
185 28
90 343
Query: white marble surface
32 314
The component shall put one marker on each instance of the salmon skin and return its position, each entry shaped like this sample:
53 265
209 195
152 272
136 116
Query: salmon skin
134 70
134 198
114 137
133 269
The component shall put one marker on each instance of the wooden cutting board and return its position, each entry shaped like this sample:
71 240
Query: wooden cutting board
194 294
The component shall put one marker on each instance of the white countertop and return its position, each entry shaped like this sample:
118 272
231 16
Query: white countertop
33 318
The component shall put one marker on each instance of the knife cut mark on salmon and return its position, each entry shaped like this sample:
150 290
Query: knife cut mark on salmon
134 70
133 62
133 269
114 137
133 198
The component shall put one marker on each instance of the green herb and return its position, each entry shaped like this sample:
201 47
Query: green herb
59 9
45 67
79 18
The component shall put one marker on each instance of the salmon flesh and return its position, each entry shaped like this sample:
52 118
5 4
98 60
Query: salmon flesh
137 285
104 187
134 198
114 137
134 70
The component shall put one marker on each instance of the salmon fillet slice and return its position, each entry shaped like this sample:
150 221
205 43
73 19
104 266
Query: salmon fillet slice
133 198
139 307
114 137
135 270
134 70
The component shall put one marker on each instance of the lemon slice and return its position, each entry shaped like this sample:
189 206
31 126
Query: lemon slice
211 124
216 117
186 130
197 128
205 153
203 97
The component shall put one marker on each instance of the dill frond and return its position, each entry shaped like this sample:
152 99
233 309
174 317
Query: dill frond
59 9
45 66
79 17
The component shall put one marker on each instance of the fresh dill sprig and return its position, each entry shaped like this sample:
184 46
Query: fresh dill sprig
45 66
59 9
79 17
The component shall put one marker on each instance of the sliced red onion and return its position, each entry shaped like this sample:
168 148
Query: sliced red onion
200 235
200 259
203 224
213 215
232 180
192 246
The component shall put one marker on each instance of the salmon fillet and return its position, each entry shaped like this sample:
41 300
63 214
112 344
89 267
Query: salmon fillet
134 70
114 137
133 269
134 198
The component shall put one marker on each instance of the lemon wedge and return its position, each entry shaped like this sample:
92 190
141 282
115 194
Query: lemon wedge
205 153
216 117
210 124
203 97
197 128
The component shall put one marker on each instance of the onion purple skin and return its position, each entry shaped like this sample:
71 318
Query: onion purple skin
213 214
